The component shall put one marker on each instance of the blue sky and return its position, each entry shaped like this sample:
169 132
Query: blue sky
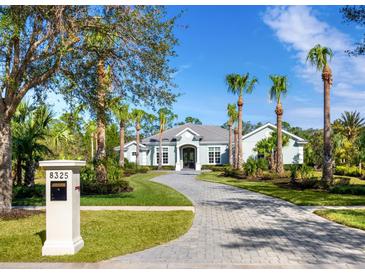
264 40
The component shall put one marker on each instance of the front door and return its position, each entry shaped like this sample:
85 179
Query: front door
189 157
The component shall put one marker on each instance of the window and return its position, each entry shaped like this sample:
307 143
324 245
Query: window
214 155
134 153
165 156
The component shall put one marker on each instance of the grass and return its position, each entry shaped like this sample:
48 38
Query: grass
106 234
353 180
349 217
307 197
145 193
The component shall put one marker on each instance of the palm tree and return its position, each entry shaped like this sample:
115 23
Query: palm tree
318 56
278 88
30 139
237 84
232 117
352 124
165 116
137 116
235 159
121 112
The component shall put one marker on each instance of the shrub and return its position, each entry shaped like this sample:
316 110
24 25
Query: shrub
215 167
348 189
262 164
250 167
349 171
23 192
231 172
114 187
302 176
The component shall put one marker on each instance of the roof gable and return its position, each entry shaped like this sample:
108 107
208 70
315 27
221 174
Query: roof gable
269 125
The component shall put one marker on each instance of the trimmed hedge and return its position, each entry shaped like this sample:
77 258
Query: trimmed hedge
214 167
348 189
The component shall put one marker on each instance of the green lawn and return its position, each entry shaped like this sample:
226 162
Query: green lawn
350 217
298 197
106 234
145 193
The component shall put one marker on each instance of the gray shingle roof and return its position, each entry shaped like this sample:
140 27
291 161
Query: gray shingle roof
207 134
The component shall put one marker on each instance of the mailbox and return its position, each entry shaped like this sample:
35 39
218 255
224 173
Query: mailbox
59 191
62 207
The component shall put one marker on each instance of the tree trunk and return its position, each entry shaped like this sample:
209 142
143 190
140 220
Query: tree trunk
235 162
121 143
160 152
92 146
6 180
240 151
18 172
29 173
327 175
138 128
230 141
279 144
100 157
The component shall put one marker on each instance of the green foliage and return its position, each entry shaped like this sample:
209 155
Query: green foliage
318 56
300 172
190 120
114 185
348 189
214 167
349 171
251 167
279 87
237 84
232 172
24 192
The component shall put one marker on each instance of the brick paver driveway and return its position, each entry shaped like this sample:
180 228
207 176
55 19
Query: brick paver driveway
238 228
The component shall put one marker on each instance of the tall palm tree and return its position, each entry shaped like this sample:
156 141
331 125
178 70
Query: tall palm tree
232 117
235 158
121 112
318 57
278 88
137 116
238 84
165 116
352 124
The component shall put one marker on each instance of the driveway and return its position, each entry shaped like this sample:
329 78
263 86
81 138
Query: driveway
237 228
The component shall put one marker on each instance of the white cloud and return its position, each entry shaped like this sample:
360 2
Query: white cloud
299 29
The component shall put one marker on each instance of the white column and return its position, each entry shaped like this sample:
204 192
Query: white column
178 165
197 164
62 207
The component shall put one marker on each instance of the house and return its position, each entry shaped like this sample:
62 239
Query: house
191 146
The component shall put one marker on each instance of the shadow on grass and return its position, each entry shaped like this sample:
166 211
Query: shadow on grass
42 236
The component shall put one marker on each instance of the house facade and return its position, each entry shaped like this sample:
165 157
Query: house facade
190 146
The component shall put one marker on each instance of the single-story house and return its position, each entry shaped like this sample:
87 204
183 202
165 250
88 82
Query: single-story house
191 146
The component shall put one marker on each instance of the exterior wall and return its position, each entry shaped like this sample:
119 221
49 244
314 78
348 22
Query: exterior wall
142 155
153 155
292 153
204 150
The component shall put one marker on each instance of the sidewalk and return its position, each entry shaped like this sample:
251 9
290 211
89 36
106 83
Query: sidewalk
127 208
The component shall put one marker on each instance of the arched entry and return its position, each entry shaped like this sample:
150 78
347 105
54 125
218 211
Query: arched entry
189 157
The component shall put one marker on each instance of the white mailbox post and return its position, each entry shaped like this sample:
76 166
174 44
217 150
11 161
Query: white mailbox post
62 207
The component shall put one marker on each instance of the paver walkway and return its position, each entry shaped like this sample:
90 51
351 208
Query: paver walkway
237 228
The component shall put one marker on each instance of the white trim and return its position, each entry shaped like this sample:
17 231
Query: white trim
295 137
129 144
187 129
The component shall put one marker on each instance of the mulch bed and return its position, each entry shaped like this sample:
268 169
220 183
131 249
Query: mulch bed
16 213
